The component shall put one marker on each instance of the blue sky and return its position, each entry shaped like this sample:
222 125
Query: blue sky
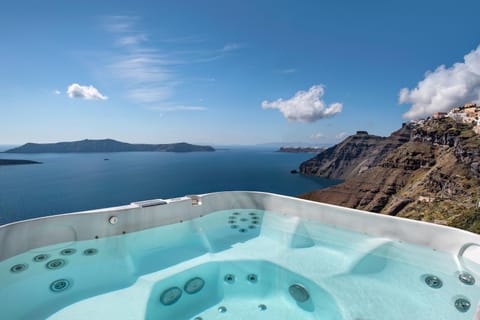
231 72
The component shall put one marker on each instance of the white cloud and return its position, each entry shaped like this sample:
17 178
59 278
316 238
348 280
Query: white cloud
305 106
444 88
151 94
317 136
57 92
120 23
145 73
232 47
141 67
341 135
84 92
131 40
148 75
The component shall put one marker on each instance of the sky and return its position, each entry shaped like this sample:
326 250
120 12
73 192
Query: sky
231 72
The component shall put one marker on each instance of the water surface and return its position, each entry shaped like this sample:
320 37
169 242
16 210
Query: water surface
82 181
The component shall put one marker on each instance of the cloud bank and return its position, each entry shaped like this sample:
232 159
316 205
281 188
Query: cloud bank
84 92
305 106
444 88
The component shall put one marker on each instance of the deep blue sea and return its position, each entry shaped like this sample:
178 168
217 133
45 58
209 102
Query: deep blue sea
82 181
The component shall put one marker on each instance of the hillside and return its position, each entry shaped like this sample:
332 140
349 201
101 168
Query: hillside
354 155
426 171
105 145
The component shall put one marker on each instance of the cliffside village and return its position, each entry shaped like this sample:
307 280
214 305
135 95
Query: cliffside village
468 113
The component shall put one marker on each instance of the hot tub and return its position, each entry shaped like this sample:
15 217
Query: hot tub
236 255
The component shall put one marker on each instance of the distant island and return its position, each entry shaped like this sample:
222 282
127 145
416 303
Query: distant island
9 162
105 145
301 149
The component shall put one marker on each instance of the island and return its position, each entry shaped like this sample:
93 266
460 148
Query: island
301 149
105 145
10 162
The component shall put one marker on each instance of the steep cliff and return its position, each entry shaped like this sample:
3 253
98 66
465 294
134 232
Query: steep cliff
427 171
354 155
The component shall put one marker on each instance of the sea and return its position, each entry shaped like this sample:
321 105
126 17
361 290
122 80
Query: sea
70 182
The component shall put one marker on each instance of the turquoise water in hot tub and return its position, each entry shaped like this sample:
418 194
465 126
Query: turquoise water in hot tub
346 275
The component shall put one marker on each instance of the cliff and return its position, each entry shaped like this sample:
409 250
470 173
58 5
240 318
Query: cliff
105 145
426 171
354 155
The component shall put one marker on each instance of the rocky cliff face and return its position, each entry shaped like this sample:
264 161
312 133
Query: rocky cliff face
354 155
428 172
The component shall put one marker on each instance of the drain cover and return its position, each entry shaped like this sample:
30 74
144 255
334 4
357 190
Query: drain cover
299 293
194 285
462 304
170 296
466 278
433 282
